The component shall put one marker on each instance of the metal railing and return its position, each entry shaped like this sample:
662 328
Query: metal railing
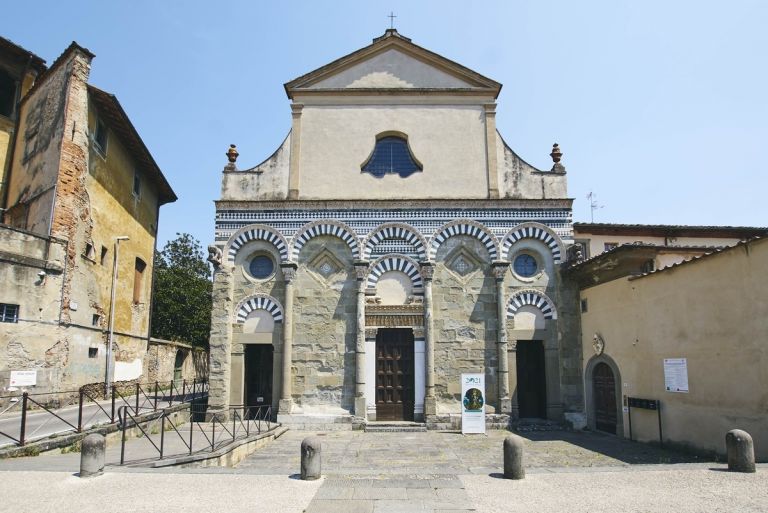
245 421
60 419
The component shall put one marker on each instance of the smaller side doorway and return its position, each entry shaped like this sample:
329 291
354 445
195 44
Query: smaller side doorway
258 376
531 380
604 397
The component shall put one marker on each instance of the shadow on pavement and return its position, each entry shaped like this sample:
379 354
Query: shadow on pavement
633 453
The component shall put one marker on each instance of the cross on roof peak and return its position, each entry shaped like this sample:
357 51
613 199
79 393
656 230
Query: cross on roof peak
391 20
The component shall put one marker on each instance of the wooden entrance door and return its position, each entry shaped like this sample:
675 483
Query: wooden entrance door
258 375
531 380
604 394
394 374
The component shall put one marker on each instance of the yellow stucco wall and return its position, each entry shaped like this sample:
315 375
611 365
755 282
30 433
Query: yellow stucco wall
6 131
714 313
116 211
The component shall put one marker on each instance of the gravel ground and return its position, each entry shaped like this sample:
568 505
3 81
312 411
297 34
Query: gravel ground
652 491
44 492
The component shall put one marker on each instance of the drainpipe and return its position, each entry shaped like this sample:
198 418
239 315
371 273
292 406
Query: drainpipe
109 374
154 270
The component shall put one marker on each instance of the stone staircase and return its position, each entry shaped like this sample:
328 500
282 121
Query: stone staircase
395 427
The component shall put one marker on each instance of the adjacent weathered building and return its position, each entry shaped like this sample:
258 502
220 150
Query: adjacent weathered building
689 334
78 184
392 242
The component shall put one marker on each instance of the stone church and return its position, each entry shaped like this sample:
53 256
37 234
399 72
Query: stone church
391 243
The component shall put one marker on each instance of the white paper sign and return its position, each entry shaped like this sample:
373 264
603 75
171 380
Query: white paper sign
473 403
23 378
676 375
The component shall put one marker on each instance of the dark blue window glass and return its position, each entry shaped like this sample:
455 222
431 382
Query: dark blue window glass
261 267
391 155
525 265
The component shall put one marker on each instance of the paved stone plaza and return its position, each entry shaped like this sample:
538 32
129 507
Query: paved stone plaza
403 472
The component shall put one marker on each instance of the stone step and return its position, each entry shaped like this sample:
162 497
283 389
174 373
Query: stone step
529 425
395 427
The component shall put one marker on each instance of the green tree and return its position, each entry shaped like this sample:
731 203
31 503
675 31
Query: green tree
182 294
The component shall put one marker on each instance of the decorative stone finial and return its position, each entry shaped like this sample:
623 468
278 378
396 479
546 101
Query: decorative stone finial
556 156
232 153
556 153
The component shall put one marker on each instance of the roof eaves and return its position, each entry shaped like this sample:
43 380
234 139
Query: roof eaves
132 140
35 61
695 259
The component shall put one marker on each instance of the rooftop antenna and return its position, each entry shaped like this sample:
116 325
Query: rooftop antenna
593 205
391 20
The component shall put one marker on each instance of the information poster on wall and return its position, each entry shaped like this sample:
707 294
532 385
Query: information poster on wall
23 378
473 403
676 375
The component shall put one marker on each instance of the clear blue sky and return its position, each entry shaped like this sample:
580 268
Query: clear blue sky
659 106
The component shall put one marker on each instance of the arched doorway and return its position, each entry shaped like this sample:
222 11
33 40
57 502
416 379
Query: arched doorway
604 398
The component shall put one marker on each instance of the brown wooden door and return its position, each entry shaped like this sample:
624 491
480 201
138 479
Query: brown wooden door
604 393
394 374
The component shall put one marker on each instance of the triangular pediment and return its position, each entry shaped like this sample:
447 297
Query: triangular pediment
393 63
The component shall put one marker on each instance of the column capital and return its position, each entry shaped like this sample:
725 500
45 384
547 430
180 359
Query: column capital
361 269
296 108
499 269
427 270
289 270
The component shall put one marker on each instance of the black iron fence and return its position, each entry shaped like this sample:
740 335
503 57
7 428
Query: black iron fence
192 430
29 415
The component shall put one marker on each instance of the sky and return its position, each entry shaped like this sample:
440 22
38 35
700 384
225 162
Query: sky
659 107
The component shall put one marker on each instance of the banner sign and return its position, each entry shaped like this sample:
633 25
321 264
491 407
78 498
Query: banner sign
473 403
23 378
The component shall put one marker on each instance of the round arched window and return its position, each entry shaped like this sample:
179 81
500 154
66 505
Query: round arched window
261 267
525 265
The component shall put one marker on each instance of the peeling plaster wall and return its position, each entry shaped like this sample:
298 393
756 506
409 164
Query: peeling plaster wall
61 183
37 158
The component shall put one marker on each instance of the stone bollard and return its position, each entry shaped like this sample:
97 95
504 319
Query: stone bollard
92 455
513 458
311 449
741 451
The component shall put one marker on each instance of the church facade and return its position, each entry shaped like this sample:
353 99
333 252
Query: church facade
393 242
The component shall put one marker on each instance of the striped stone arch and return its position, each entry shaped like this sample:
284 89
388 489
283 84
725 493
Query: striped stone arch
325 227
259 302
532 298
256 232
536 231
395 231
394 263
464 227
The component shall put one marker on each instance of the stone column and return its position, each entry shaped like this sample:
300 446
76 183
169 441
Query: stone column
499 269
220 340
361 274
430 402
289 275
